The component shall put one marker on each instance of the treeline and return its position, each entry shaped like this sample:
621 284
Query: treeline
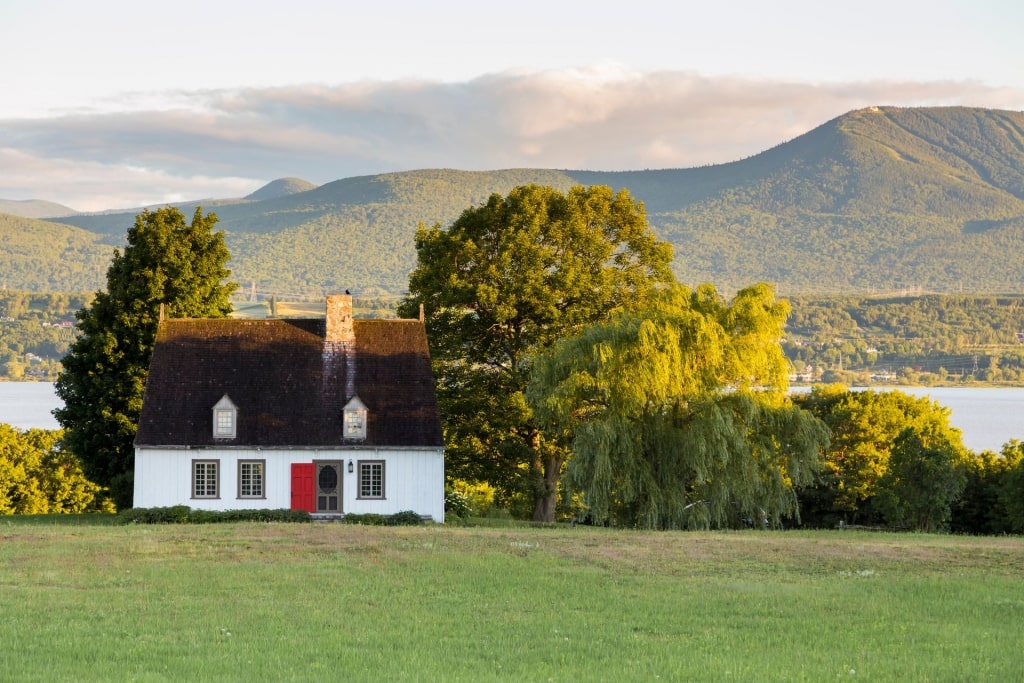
36 332
907 340
895 462
931 339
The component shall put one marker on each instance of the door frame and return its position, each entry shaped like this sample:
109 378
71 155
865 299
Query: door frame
340 468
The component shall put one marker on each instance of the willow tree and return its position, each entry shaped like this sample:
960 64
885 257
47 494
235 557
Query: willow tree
501 284
169 266
677 414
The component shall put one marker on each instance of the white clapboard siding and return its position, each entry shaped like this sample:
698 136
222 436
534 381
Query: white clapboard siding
163 477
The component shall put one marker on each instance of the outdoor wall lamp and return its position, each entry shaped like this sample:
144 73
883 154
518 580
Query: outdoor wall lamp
351 469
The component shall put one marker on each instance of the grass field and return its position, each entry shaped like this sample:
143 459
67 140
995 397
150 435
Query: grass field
309 602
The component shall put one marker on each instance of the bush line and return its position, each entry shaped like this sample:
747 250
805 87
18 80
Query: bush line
182 514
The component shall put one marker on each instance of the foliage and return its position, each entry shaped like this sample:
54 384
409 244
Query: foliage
169 267
986 506
922 483
865 425
1011 491
502 283
405 518
928 339
677 412
456 504
43 256
38 476
365 519
32 338
182 514
401 518
480 496
910 340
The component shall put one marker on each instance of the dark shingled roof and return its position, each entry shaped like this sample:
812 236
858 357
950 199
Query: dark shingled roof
288 383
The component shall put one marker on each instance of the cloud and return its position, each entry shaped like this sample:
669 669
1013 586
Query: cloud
222 143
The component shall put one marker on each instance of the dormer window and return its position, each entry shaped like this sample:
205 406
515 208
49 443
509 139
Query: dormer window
354 419
225 419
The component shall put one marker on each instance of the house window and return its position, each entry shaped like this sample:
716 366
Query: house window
225 424
225 419
354 418
371 478
205 478
251 479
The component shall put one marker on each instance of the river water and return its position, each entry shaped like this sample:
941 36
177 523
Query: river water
988 417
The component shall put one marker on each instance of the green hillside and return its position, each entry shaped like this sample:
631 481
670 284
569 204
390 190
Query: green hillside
41 256
878 200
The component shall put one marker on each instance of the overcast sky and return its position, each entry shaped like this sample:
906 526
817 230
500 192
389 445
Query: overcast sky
118 104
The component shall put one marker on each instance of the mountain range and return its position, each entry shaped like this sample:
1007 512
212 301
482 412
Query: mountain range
877 200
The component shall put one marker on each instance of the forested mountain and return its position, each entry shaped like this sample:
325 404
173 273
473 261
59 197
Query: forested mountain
282 187
877 200
41 256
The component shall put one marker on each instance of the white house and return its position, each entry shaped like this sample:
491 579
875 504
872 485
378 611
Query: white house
330 415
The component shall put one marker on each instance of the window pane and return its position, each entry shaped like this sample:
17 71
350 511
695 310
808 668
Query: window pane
371 480
224 423
250 479
204 476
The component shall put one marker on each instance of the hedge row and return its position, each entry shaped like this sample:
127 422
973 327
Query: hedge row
183 514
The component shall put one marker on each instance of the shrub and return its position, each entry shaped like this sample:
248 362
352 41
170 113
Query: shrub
457 503
367 519
182 514
405 518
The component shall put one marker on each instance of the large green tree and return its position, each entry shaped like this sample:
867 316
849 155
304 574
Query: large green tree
677 413
502 283
922 482
865 426
171 266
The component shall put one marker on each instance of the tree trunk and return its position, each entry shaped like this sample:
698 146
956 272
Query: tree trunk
546 498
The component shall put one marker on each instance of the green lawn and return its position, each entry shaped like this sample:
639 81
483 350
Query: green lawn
271 602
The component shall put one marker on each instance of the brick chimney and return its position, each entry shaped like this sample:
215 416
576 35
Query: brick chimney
339 319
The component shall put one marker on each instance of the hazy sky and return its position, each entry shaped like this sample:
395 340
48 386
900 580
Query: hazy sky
116 104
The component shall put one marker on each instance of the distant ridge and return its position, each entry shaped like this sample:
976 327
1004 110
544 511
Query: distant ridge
35 208
282 187
879 200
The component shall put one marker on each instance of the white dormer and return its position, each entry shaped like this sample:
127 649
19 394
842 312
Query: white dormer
354 420
225 419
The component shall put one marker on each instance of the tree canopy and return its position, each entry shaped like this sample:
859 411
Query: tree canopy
866 426
38 476
506 280
168 267
677 413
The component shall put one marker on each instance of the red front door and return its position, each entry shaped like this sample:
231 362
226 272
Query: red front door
303 488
